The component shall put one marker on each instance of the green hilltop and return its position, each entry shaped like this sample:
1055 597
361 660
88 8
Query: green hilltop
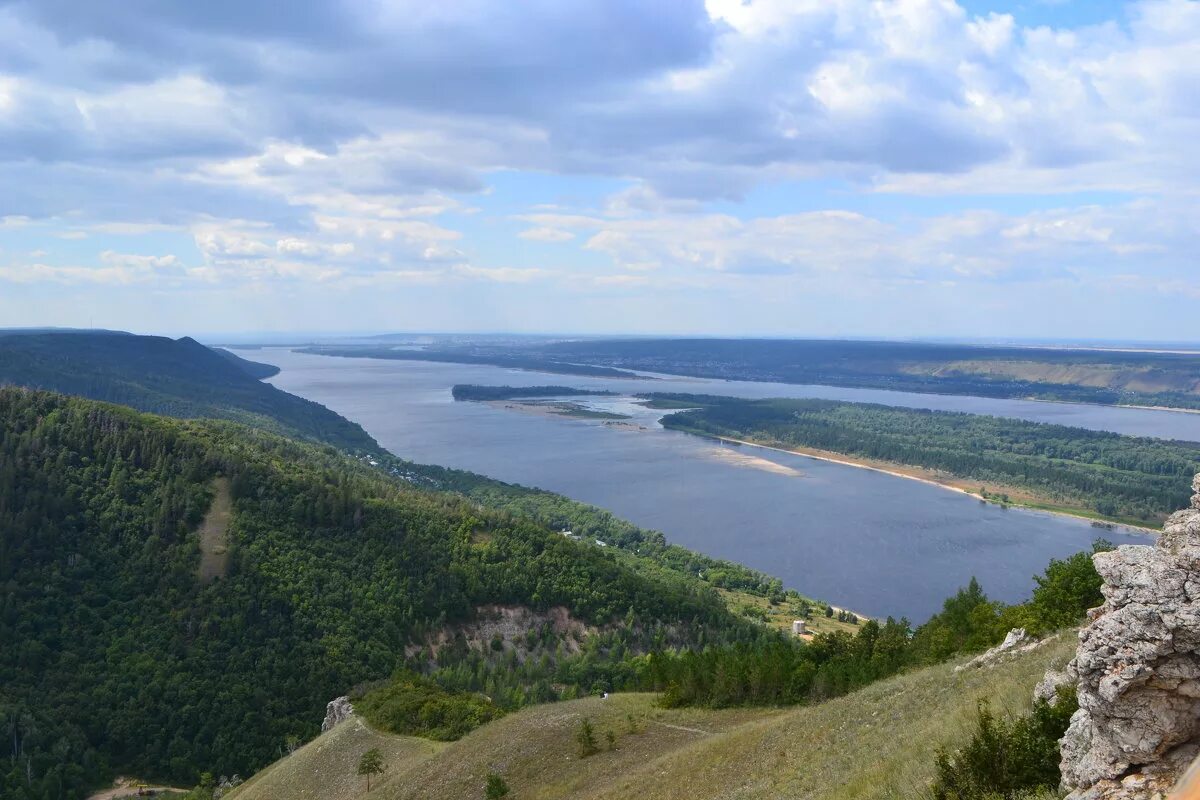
176 377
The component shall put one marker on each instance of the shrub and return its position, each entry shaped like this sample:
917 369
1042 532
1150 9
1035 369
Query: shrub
496 788
1006 758
417 706
585 738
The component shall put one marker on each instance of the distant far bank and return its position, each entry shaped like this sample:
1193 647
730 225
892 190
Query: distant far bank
1017 497
1160 379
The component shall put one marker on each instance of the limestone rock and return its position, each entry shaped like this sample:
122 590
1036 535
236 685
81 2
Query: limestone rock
336 710
1137 669
1054 680
1016 641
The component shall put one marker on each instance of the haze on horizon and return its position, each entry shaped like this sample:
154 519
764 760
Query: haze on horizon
899 168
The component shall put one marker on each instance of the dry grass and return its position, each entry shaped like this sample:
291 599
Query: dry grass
877 743
325 768
781 616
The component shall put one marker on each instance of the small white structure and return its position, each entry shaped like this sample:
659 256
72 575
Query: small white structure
798 628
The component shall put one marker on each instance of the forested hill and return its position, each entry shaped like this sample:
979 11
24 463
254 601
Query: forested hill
176 377
1123 478
255 369
119 658
1110 377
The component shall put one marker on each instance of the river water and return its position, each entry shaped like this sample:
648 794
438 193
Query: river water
855 538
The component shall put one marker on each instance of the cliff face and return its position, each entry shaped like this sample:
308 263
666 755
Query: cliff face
1137 669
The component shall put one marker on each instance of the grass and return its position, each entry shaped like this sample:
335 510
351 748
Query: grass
781 616
325 768
876 743
214 533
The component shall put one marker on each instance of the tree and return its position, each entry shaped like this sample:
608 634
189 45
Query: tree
496 788
370 764
585 737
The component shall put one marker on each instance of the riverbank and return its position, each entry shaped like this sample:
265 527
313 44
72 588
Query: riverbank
1019 498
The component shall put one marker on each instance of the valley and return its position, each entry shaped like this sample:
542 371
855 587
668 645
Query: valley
243 569
900 552
1128 377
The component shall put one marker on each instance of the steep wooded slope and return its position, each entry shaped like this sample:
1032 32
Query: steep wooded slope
117 658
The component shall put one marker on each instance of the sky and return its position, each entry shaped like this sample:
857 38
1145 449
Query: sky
892 168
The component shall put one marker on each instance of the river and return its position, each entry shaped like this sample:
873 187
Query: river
855 538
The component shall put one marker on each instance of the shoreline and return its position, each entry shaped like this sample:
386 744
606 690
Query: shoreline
850 461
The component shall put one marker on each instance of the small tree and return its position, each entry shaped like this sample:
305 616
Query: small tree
585 737
370 764
610 739
496 788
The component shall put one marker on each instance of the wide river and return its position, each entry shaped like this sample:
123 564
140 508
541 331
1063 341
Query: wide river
855 538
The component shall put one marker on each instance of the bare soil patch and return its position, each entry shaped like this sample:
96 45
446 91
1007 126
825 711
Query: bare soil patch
214 533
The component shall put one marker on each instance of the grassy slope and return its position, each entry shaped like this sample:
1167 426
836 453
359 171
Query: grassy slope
878 742
319 771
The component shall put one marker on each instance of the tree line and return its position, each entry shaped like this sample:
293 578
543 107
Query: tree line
1117 476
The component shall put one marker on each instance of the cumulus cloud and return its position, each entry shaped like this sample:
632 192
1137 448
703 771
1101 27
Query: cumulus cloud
346 142
1075 244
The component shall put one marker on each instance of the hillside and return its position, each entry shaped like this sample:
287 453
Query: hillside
126 662
878 742
176 377
1076 375
1112 377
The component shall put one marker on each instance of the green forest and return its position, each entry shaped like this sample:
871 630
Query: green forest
776 671
175 377
1118 477
122 661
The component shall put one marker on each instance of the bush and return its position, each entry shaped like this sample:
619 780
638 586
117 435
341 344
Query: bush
585 738
496 788
417 706
1066 591
1006 758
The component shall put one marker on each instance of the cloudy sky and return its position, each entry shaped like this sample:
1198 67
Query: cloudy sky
781 167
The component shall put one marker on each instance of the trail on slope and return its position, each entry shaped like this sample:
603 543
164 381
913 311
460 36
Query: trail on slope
214 533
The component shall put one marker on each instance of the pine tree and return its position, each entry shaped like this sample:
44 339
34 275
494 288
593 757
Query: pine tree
585 737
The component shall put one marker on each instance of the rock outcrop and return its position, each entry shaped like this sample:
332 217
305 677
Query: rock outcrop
1137 669
336 710
1016 641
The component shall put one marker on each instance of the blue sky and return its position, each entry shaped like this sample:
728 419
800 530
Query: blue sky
773 167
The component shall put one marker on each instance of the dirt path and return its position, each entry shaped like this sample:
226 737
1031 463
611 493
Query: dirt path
681 728
214 530
125 788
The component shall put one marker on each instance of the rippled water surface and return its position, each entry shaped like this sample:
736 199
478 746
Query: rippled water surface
869 541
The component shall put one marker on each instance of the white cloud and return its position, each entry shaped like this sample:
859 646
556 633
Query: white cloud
344 145
546 235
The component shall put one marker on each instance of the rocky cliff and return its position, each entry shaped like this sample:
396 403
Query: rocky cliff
336 710
1137 670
